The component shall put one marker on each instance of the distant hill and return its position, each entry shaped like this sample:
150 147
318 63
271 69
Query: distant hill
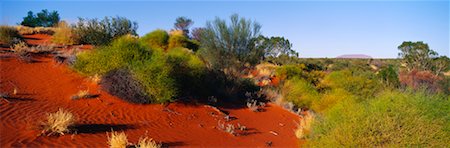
354 56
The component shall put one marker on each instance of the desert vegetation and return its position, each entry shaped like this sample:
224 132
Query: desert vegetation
401 102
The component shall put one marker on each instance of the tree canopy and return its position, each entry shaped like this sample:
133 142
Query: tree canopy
41 19
228 45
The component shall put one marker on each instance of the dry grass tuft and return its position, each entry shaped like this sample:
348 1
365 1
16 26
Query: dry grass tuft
117 140
58 123
147 143
81 94
304 127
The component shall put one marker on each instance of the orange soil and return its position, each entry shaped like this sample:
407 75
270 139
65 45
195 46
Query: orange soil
45 86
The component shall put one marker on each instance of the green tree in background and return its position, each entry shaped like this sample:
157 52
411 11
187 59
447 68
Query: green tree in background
417 55
183 23
41 19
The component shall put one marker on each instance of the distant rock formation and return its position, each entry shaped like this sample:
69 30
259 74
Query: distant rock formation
354 56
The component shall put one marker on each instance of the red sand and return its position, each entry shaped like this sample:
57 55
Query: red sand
45 86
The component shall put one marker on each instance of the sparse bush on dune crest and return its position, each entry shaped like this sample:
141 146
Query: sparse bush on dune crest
102 32
64 34
9 35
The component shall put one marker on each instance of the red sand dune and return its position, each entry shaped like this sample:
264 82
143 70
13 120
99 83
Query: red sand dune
45 86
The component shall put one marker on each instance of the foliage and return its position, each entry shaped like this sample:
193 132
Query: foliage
41 19
64 34
421 80
331 98
441 64
361 84
122 52
299 92
157 39
310 74
9 35
227 45
416 55
189 70
183 23
102 32
274 46
182 41
196 33
394 119
121 83
389 76
155 77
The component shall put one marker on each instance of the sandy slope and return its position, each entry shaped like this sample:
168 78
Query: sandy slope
45 86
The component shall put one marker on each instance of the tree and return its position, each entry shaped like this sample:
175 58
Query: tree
275 46
228 45
183 23
41 19
417 55
196 33
441 64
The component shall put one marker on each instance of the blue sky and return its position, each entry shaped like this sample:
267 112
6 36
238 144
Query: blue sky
316 29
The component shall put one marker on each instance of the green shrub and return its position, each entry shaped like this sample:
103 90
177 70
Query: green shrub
299 92
177 41
189 70
102 32
9 35
389 76
64 34
122 52
157 39
300 70
362 84
395 119
155 76
331 98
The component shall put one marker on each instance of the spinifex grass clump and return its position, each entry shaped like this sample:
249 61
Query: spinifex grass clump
9 35
58 123
117 140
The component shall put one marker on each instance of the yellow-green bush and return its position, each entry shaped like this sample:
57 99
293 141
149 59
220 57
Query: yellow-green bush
299 92
177 41
363 84
122 52
155 77
331 98
157 39
394 119
64 34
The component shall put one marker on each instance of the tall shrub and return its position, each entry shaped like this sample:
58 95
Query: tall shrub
102 32
64 34
227 45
